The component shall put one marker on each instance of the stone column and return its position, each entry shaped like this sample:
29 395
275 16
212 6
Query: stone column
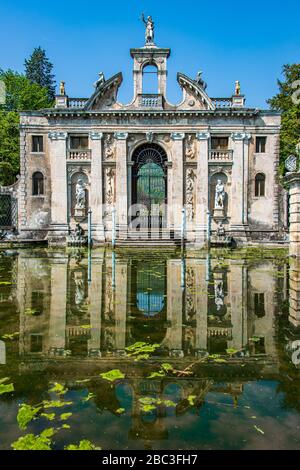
95 299
57 323
237 282
293 181
294 293
120 306
173 338
121 183
59 193
202 189
176 204
96 200
201 289
239 202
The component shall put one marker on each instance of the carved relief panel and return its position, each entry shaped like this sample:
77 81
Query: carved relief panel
109 148
190 194
190 148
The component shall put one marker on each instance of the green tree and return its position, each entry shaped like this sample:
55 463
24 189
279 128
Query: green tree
38 69
287 101
21 95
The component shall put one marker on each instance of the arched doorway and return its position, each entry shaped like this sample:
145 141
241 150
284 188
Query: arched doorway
149 186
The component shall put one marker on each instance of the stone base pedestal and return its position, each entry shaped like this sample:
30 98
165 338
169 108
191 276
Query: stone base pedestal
201 237
240 233
293 181
98 234
219 214
79 214
57 234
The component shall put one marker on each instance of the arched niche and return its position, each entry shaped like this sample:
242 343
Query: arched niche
79 178
214 178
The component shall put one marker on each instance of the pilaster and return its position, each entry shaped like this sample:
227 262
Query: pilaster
59 204
96 199
202 189
121 183
177 198
239 211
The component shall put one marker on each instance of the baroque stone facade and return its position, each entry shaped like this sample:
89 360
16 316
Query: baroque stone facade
149 159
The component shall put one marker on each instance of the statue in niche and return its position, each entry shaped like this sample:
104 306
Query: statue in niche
149 35
220 195
80 194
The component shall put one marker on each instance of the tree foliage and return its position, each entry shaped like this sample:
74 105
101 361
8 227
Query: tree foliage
287 101
38 69
21 95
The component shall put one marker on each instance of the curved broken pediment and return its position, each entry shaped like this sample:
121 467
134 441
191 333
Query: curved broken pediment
195 96
105 95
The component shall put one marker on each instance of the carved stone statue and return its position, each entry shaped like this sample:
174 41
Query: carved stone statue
149 35
100 81
237 88
220 195
80 195
77 237
62 89
220 230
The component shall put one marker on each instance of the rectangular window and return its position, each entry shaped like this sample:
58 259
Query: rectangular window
36 343
261 144
37 143
259 304
79 142
219 143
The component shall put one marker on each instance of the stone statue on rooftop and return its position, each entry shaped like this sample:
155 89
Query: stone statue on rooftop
237 88
149 35
62 89
100 81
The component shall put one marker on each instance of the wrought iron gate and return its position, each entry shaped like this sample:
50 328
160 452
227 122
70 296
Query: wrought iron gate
8 211
149 186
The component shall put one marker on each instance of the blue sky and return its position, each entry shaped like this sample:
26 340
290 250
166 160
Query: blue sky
249 41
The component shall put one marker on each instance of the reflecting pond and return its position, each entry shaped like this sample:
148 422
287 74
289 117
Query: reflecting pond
201 351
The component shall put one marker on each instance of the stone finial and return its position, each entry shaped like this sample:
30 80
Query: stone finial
237 88
62 89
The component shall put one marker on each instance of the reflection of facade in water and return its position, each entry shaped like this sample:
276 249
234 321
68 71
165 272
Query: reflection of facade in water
130 300
110 318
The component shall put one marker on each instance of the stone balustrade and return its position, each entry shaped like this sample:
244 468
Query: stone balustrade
77 102
150 101
79 155
222 102
220 155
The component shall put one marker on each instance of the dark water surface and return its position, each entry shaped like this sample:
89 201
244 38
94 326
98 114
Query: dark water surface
223 332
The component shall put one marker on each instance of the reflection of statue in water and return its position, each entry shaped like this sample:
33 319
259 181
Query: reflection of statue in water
220 195
79 289
80 194
219 294
149 36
